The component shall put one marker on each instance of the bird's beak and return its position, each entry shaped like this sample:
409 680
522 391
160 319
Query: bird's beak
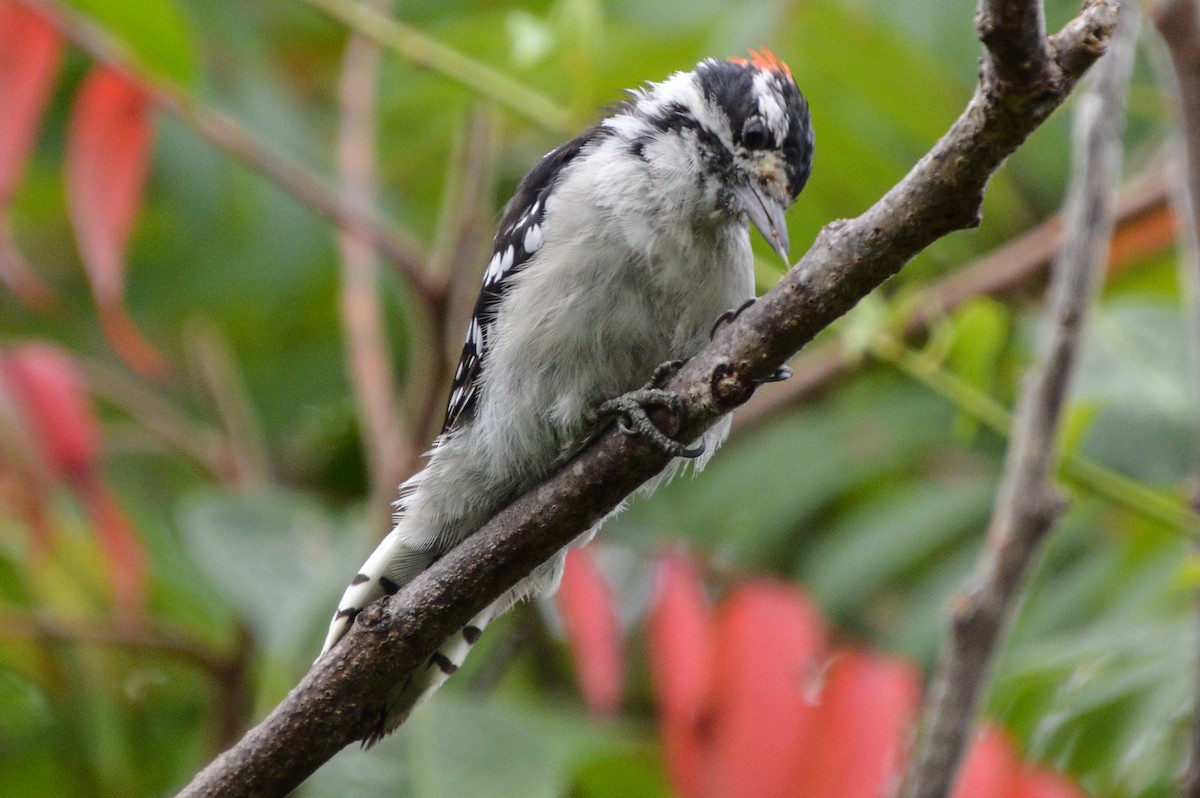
767 214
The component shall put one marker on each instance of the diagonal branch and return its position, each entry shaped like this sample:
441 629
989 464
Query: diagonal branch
1144 219
1014 33
1028 506
341 697
1178 22
422 51
227 135
382 431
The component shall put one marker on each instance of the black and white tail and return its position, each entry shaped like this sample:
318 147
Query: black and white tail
393 564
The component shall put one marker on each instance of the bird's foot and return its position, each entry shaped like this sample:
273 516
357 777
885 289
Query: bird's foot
632 418
729 316
782 373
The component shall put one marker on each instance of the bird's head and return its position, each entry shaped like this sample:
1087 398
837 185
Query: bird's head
748 125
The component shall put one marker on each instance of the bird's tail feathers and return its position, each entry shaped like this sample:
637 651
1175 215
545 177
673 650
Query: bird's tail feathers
423 682
392 565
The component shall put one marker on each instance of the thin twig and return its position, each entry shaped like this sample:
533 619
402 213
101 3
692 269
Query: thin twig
422 51
1143 215
1178 22
230 137
1028 506
1075 469
167 642
467 212
382 432
229 671
19 276
464 223
341 698
157 416
222 382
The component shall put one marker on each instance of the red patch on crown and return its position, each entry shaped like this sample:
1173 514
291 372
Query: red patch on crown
764 59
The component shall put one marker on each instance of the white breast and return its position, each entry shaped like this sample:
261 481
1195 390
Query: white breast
634 266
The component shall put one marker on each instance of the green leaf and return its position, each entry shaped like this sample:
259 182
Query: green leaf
156 31
1136 369
980 334
454 747
879 540
638 774
1075 425
757 492
279 559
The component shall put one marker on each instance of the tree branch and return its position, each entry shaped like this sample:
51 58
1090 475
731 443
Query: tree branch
231 138
1178 22
381 430
342 697
1143 215
228 670
1014 35
1028 507
422 51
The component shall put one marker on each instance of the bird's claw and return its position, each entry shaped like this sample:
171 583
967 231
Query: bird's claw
632 418
664 371
729 316
782 373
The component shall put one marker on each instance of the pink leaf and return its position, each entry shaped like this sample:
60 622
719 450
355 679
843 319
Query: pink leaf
108 156
769 640
866 711
30 50
593 632
56 409
992 770
989 769
23 492
680 639
679 643
121 547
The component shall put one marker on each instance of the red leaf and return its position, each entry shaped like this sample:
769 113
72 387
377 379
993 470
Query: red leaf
769 639
990 768
679 643
680 639
123 550
52 402
30 50
593 632
865 715
108 156
56 408
23 492
1035 782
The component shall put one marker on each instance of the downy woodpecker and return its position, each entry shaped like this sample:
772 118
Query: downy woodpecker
615 256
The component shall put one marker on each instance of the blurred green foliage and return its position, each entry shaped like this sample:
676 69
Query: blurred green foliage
874 496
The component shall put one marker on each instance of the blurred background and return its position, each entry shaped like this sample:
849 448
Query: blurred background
207 396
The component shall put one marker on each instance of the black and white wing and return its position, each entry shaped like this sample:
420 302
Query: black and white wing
518 240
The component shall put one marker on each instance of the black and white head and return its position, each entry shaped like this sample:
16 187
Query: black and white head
746 123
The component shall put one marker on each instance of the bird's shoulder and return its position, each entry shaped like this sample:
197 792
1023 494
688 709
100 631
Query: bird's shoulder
518 240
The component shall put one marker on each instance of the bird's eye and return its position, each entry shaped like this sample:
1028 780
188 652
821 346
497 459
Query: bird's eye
754 135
